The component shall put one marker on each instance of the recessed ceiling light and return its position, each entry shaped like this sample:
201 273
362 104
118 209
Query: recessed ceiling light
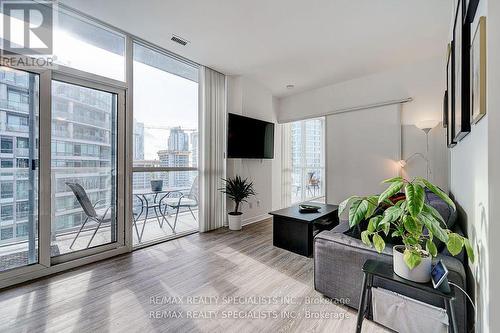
290 86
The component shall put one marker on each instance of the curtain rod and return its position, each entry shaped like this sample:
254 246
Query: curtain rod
353 108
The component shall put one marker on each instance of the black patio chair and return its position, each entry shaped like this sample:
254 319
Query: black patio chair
88 209
188 201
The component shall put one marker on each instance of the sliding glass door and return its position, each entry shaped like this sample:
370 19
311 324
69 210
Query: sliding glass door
19 110
165 146
84 166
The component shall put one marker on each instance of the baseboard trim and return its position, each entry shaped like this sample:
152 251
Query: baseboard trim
256 219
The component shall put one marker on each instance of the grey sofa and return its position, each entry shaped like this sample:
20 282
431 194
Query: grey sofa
338 258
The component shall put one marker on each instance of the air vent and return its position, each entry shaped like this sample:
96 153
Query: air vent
179 40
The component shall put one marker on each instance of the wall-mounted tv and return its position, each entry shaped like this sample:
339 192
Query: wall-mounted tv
249 138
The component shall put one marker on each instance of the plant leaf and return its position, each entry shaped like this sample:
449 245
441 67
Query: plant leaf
391 214
455 244
357 212
415 197
373 223
393 180
469 250
343 205
434 189
385 228
395 233
411 258
365 239
429 209
378 242
411 225
431 247
433 226
372 205
394 188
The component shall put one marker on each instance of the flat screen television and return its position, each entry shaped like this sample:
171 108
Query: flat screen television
249 138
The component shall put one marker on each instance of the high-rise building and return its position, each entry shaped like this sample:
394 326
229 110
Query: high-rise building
172 158
178 140
194 149
138 140
82 150
15 109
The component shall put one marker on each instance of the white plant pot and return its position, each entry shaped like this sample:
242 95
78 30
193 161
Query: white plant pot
420 273
234 221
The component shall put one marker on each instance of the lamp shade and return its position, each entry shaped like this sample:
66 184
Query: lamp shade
427 124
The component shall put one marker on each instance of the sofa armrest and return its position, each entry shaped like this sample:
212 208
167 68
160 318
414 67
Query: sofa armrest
338 262
342 227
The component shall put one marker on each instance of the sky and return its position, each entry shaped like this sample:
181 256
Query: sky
162 99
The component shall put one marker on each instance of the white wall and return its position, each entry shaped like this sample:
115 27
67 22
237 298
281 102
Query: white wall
249 98
471 182
424 82
493 105
362 149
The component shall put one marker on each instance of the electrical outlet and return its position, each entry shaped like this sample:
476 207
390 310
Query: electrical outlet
258 203
250 205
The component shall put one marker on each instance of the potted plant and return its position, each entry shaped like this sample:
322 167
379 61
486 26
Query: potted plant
410 219
238 190
156 183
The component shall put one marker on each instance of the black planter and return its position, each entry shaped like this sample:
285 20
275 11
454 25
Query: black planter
156 185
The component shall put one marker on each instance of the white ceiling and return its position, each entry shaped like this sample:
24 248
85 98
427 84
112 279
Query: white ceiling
279 42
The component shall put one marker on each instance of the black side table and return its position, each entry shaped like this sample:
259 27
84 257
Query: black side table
384 271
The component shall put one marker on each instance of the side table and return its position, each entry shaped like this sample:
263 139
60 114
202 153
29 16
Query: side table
384 271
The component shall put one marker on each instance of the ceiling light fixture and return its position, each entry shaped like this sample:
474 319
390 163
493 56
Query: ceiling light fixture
290 86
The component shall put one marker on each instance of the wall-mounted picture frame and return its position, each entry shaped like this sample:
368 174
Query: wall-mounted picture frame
470 10
478 72
461 35
445 109
450 128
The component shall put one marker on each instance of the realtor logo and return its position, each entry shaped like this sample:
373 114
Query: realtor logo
27 27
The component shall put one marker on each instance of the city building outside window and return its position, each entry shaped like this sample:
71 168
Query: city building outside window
7 213
6 190
7 145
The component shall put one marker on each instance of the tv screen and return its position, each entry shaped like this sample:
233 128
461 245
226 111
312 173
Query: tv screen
249 138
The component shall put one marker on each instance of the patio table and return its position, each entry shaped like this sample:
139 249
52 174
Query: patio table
153 200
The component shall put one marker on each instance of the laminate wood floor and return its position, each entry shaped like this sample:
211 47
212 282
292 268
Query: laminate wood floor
222 281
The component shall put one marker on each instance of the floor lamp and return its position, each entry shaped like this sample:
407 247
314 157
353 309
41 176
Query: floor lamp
426 126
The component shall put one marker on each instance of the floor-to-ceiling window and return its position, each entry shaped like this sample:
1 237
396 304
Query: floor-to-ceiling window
19 110
307 155
64 145
165 180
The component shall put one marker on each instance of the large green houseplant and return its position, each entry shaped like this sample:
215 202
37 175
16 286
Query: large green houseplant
409 218
238 190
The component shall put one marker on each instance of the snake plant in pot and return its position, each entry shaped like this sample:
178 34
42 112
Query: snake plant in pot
409 219
238 190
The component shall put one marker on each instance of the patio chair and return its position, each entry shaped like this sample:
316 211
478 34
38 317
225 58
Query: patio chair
88 209
188 201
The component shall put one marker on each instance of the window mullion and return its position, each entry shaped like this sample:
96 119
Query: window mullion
45 198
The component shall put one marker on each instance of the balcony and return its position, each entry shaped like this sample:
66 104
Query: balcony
17 128
13 253
307 184
14 106
22 152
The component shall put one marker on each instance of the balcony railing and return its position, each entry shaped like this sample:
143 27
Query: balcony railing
15 106
17 128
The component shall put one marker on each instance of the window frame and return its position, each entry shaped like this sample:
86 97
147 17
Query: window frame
138 169
45 265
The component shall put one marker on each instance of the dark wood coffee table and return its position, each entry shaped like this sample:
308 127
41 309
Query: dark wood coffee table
294 231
